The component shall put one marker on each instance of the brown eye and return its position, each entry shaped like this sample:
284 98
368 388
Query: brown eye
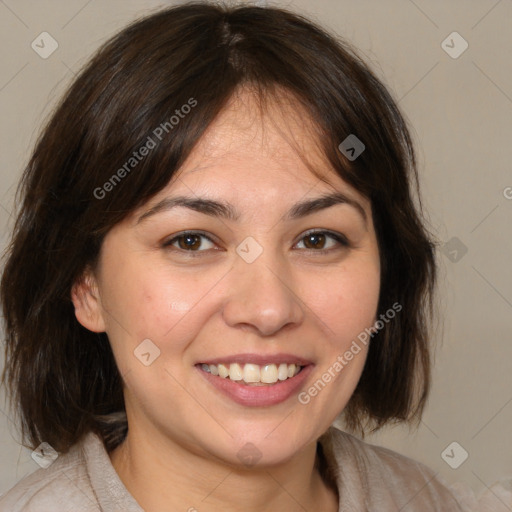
322 241
314 241
191 242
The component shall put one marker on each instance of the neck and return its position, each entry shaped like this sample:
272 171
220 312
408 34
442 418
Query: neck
163 476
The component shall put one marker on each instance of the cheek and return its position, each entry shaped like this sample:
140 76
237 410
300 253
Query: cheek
144 300
345 301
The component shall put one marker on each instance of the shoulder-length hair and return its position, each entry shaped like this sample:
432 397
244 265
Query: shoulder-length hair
62 378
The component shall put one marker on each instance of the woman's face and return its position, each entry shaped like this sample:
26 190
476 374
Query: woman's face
251 277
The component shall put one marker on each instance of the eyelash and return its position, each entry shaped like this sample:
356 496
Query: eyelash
338 237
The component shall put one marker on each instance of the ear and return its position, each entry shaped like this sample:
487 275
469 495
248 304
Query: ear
87 302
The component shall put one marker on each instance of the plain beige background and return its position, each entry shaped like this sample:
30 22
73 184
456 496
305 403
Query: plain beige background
461 112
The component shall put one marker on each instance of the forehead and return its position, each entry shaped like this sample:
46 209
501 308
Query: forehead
258 147
260 162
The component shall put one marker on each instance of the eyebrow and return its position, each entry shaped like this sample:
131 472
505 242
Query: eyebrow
228 212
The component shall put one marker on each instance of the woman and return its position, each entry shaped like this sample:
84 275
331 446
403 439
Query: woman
218 253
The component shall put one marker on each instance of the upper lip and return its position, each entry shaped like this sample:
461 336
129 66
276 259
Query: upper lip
259 359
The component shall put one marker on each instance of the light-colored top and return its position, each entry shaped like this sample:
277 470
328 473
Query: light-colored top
369 479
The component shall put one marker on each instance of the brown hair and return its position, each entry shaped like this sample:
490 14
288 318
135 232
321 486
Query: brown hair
62 378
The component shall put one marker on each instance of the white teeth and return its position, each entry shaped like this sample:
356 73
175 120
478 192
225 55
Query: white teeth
235 371
282 372
269 374
253 373
223 371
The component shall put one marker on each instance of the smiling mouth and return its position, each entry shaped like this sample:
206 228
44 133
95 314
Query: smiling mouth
253 374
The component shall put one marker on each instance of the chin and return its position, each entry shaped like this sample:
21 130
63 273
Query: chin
258 449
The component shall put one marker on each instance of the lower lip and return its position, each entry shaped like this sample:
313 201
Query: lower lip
258 396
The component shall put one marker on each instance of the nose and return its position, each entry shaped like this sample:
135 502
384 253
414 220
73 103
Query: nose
262 297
